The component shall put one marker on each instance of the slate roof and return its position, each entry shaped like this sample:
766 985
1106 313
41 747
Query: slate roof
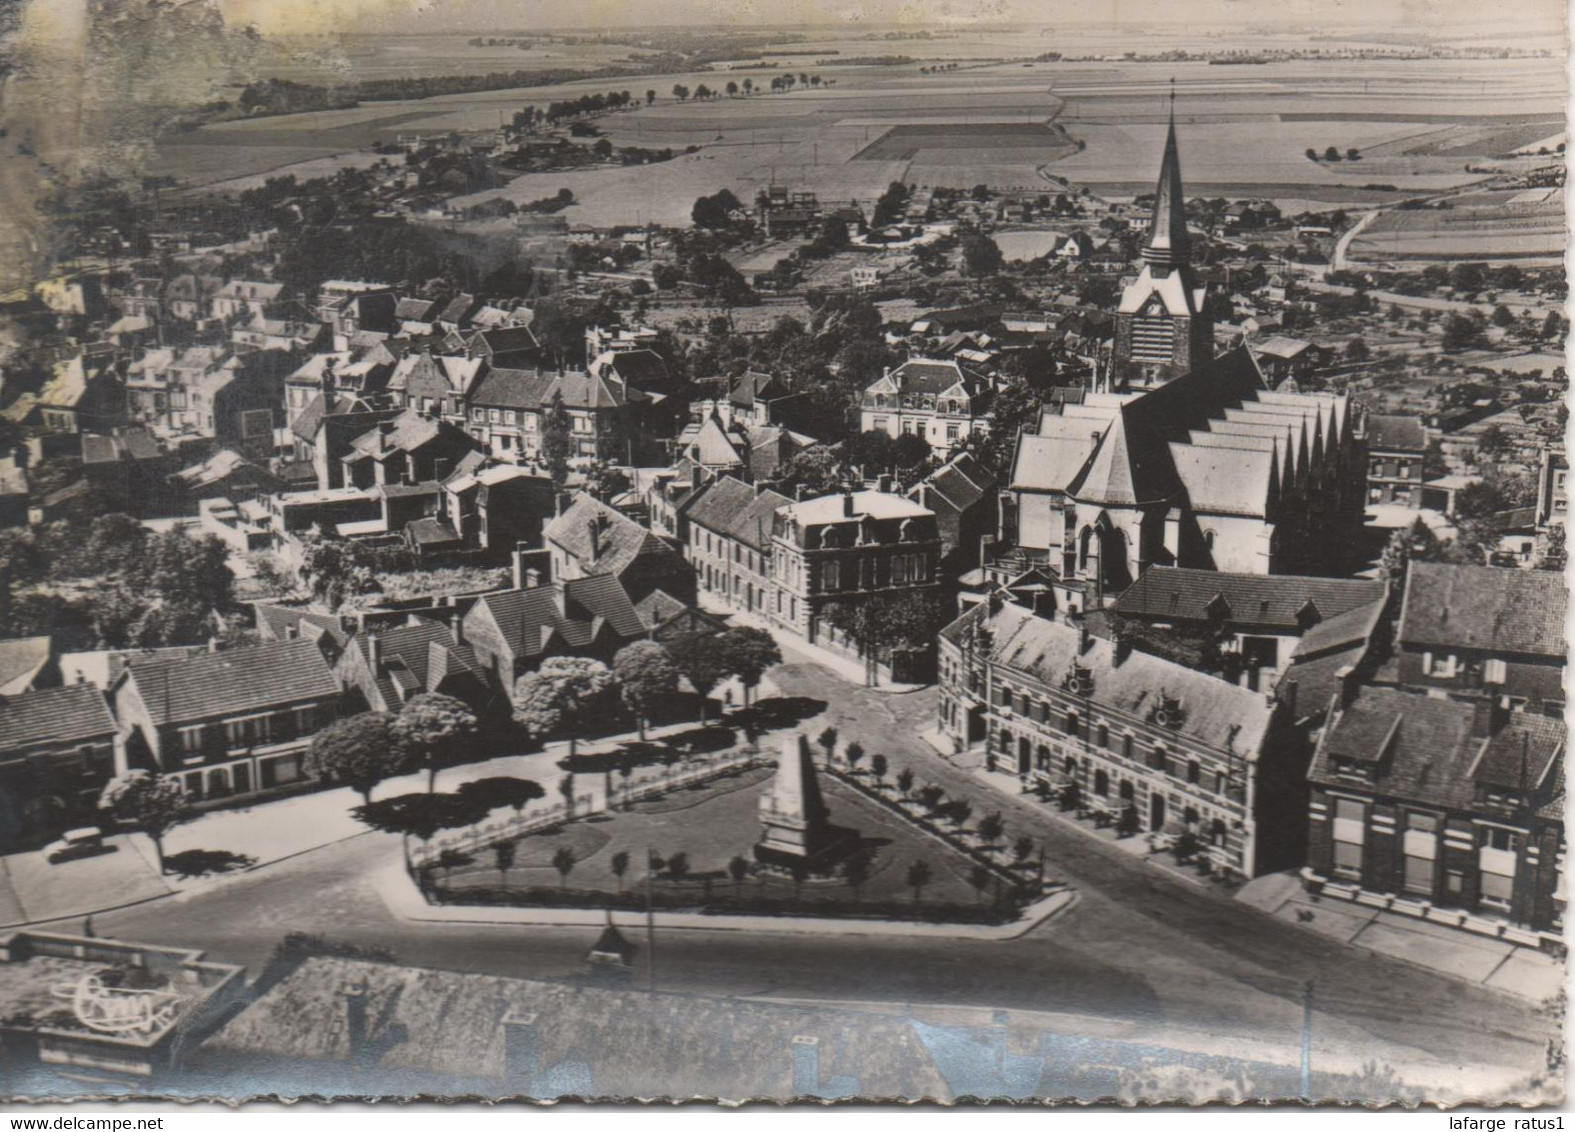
926 375
1484 607
640 368
418 657
1424 751
123 444
441 1032
619 540
232 681
570 613
54 716
1395 434
1214 713
962 481
719 503
1174 593
506 387
282 622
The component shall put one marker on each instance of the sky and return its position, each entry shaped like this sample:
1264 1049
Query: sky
327 16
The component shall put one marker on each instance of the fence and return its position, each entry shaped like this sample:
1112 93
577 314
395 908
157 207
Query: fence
534 819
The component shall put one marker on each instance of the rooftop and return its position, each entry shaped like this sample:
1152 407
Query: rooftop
1285 601
1484 607
834 508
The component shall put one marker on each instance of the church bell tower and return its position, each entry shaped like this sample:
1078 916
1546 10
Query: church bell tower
1162 326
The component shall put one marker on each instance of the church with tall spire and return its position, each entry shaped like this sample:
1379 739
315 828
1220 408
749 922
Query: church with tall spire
1163 329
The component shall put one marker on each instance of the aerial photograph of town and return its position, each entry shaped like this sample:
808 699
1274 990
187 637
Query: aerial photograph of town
675 550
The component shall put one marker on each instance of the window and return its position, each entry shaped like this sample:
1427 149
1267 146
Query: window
1194 771
256 422
478 415
1350 835
508 416
530 420
1494 672
831 576
493 416
1069 724
1104 736
190 740
1421 850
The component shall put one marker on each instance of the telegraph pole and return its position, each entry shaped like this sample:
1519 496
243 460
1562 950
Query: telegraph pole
650 924
1307 1013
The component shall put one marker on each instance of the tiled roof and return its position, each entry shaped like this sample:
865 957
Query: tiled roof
925 375
412 649
1395 434
283 622
640 368
570 613
232 681
618 539
1278 600
1484 607
1424 750
1215 713
719 504
57 716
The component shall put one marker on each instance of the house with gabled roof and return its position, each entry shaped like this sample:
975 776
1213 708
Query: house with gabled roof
513 631
383 667
409 448
1475 631
1450 811
509 408
938 400
962 495
728 542
58 747
591 539
227 722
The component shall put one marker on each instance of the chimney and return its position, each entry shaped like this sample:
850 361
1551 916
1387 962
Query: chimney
1346 687
847 505
521 1051
517 561
594 530
1287 696
532 578
213 644
374 653
806 1065
883 483
1490 715
1123 643
800 492
1084 638
354 994
456 625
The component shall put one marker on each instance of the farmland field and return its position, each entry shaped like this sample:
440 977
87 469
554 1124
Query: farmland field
997 118
1484 226
963 141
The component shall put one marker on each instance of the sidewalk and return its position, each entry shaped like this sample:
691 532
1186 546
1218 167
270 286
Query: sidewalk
400 895
1494 963
850 670
34 891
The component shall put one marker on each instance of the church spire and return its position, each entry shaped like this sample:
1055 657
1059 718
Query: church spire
1167 243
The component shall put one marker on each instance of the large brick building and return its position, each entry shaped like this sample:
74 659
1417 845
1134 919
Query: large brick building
1182 750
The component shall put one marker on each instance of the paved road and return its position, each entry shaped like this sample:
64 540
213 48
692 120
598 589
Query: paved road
1140 946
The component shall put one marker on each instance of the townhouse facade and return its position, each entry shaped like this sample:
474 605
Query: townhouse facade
1396 458
227 723
934 399
1443 810
1163 747
729 542
847 548
58 748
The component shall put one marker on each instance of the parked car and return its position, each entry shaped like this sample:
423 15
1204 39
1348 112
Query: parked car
74 843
